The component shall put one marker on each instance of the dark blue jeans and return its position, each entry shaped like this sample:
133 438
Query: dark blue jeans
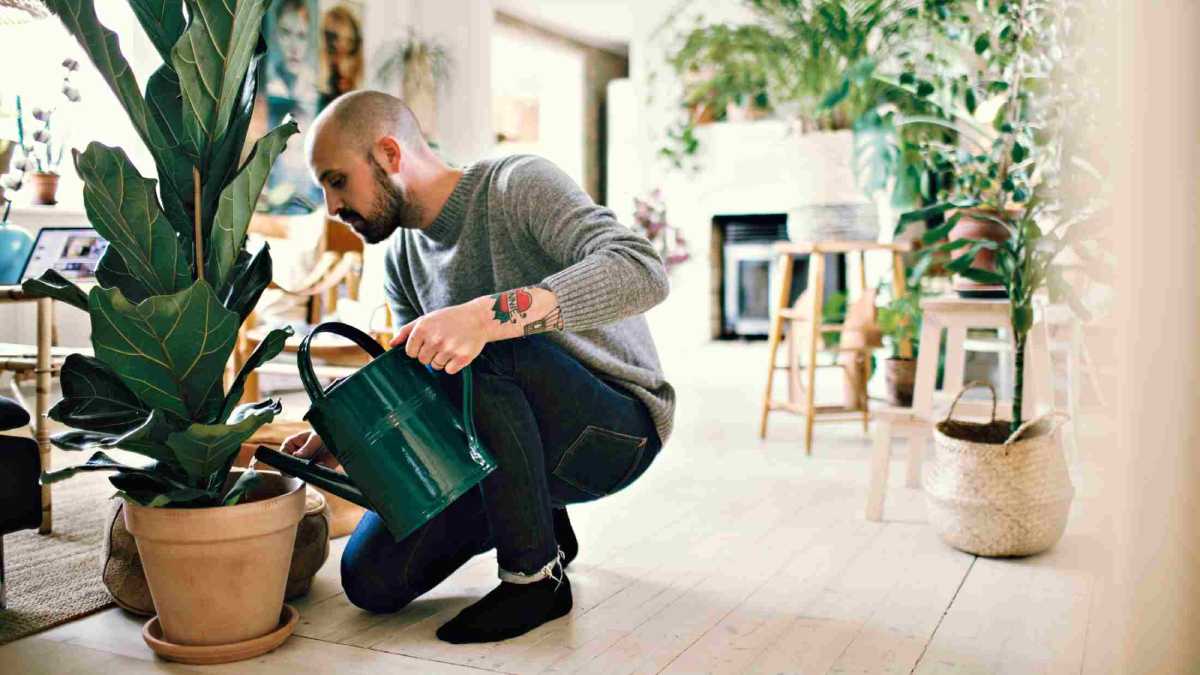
560 435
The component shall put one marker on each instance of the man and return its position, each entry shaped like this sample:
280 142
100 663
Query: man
509 267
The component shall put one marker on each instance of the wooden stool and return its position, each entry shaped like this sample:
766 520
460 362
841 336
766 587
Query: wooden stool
956 315
808 328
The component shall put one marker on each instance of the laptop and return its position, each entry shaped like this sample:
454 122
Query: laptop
73 252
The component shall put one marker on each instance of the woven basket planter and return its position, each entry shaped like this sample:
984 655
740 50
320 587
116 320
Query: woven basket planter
997 494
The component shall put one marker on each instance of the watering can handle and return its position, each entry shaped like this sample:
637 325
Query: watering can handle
313 386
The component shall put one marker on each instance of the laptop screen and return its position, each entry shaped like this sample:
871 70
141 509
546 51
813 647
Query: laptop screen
73 252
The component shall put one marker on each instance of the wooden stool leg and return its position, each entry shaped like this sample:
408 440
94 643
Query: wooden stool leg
793 357
927 360
45 326
917 440
865 364
817 284
785 287
880 466
956 359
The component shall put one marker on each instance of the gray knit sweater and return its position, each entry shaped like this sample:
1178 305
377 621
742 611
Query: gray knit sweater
520 221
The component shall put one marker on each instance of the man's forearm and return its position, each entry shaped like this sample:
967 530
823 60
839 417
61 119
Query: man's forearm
519 312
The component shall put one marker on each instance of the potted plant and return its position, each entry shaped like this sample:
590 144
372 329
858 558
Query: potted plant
813 60
423 66
43 153
900 322
174 284
1002 488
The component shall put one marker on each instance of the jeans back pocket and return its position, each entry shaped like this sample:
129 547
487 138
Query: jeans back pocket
601 461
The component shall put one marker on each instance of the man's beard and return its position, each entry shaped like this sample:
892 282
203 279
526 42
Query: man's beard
392 209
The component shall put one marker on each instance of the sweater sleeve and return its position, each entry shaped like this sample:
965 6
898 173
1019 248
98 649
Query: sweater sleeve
608 272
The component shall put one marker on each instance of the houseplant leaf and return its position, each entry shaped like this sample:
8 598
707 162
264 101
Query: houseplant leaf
212 59
170 349
113 273
123 207
245 483
238 199
95 399
266 350
249 278
203 449
175 165
54 285
149 438
225 155
163 22
102 47
97 462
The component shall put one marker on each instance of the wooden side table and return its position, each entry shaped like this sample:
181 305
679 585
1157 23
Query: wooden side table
785 253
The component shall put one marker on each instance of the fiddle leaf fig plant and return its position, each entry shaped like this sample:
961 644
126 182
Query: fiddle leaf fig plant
176 280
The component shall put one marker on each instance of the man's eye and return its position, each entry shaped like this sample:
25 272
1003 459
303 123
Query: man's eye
337 183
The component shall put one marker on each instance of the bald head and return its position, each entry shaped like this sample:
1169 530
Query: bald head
368 154
359 119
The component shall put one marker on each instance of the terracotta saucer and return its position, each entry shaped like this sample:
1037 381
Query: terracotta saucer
210 654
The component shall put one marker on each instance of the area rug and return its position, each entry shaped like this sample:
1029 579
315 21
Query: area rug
55 578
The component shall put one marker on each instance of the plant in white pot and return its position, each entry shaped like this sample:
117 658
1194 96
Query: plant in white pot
1002 488
173 286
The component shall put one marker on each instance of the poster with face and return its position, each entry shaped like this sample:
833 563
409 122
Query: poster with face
289 87
341 65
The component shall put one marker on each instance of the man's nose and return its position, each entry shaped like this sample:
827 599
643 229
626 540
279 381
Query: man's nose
332 204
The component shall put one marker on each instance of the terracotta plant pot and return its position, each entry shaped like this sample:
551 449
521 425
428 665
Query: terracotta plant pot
747 112
217 575
45 188
899 375
972 225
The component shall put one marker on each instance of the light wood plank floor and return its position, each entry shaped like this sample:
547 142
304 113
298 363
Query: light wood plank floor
731 555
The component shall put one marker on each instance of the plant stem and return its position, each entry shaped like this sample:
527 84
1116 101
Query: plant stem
198 227
1019 383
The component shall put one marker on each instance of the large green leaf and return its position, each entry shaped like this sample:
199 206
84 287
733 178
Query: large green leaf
97 462
151 488
250 276
266 350
94 398
54 285
149 438
123 208
113 273
170 349
175 165
163 22
238 200
212 59
203 449
103 48
225 156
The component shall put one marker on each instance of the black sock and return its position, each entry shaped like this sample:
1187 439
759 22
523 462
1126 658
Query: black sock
565 536
510 610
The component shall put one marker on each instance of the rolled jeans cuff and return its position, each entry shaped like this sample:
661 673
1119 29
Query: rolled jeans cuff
543 572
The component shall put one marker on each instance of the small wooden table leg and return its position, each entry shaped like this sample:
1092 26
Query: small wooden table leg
956 356
45 323
880 464
784 261
817 284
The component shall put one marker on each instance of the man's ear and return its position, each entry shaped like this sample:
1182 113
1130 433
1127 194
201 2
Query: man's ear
389 154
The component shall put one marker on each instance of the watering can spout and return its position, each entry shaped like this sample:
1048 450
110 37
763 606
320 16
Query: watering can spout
327 479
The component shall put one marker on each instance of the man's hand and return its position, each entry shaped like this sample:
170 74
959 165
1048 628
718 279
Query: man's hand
448 339
308 444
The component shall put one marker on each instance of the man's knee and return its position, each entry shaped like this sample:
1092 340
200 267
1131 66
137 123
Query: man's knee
369 587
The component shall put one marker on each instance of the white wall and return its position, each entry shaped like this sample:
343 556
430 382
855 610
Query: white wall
464 28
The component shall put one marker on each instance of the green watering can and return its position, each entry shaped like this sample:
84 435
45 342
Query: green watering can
406 453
